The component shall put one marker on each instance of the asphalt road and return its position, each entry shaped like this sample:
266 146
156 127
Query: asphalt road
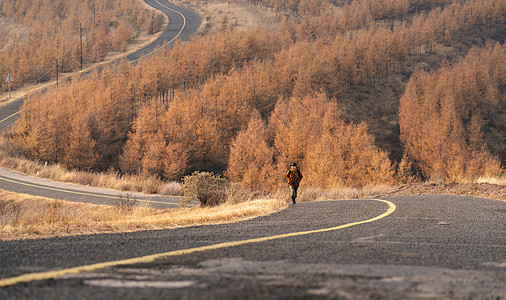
183 23
430 247
22 183
9 114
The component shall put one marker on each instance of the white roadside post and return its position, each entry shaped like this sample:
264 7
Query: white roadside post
9 79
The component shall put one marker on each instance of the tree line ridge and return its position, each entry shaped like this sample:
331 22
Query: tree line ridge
246 104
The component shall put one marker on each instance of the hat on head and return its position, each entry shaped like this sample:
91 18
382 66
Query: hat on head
293 165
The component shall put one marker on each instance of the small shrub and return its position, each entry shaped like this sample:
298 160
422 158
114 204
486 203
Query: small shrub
125 204
171 188
208 188
236 193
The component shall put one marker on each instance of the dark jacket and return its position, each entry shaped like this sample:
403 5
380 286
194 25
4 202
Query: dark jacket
294 177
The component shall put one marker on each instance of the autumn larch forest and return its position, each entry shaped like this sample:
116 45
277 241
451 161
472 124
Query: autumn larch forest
52 28
357 92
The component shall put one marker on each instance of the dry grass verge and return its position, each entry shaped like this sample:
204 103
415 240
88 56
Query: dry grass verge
308 194
492 180
492 188
110 180
483 190
317 194
23 216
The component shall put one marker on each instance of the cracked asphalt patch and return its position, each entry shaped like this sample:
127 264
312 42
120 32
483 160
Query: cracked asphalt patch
236 278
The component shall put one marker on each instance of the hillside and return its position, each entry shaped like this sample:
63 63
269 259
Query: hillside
378 105
326 89
49 33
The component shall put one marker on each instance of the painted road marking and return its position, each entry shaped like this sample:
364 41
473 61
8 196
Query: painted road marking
79 193
178 34
5 119
150 258
119 284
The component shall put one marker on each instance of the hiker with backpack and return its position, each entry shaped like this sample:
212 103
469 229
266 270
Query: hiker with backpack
294 176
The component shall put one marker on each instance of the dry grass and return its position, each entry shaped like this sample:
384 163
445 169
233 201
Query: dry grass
307 194
23 216
111 180
492 180
170 188
482 190
312 194
242 13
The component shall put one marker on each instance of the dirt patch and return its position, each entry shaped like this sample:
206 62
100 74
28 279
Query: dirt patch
485 190
241 15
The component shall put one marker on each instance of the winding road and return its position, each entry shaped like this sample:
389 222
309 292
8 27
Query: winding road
421 247
183 23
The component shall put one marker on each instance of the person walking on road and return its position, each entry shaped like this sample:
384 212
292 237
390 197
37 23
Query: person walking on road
294 177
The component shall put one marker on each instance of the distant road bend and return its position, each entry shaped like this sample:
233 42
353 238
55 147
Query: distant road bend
182 24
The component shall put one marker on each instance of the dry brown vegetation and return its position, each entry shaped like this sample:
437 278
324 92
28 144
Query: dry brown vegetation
442 116
484 189
10 32
110 179
23 216
53 33
309 194
241 15
247 103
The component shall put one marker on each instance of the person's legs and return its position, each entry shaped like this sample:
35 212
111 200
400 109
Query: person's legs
294 193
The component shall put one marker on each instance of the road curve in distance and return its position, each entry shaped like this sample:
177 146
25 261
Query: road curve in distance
22 183
183 23
9 113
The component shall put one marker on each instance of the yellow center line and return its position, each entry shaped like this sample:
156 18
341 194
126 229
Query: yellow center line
4 119
150 258
178 34
79 193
